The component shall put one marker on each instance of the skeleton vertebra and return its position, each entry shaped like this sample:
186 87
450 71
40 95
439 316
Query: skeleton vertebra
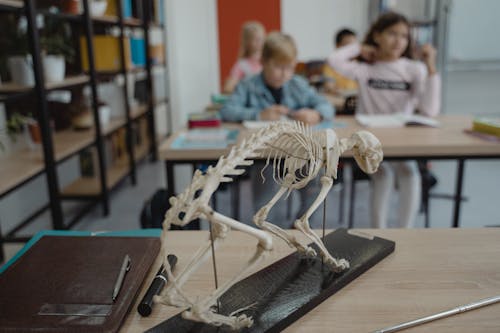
298 154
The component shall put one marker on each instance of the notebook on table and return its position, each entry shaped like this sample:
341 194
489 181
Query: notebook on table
65 284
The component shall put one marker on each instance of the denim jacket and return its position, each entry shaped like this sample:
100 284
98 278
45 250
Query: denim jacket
251 97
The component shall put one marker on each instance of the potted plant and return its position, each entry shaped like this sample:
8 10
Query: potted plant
15 126
98 7
16 57
55 42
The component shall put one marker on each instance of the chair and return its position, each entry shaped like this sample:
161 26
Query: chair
428 178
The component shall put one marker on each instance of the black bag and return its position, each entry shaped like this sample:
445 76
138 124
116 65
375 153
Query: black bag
154 209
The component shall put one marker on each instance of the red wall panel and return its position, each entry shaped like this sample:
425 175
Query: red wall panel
231 16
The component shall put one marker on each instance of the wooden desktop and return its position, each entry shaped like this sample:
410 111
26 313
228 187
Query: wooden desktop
431 270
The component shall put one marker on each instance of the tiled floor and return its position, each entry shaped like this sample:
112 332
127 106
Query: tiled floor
466 93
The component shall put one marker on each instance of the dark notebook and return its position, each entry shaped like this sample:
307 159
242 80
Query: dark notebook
65 284
286 290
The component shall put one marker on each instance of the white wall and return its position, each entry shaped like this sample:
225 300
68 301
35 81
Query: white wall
193 62
313 23
474 28
192 53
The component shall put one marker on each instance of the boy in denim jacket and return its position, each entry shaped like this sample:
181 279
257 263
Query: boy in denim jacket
274 94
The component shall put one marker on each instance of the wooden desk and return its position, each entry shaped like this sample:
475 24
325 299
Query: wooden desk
431 270
446 142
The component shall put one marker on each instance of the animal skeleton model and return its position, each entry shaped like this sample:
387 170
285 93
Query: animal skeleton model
297 154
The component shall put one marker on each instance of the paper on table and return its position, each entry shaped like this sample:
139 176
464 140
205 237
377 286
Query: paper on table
256 124
395 120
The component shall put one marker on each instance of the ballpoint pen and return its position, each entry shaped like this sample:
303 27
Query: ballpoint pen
121 276
457 310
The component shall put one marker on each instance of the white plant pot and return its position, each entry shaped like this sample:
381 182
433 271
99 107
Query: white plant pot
104 114
54 68
21 70
98 8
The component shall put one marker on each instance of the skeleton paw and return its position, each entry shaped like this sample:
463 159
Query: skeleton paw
307 251
337 265
242 321
215 319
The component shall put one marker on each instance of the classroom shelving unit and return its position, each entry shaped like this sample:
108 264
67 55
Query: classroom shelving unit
19 168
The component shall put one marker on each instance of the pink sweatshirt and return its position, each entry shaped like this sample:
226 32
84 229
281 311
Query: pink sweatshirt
389 87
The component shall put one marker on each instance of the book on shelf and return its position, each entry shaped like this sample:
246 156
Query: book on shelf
138 49
89 163
112 8
395 120
106 53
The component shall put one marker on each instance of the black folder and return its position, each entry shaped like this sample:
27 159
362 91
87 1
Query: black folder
65 284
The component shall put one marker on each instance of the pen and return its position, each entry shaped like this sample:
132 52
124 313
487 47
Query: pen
121 276
457 310
146 305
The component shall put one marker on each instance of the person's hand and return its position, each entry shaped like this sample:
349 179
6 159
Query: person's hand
368 52
308 116
429 58
274 112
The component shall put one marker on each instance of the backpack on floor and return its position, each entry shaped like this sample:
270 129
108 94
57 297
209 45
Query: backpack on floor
154 209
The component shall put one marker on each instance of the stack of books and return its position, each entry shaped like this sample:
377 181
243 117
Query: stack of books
204 119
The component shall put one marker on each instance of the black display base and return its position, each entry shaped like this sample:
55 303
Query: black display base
291 287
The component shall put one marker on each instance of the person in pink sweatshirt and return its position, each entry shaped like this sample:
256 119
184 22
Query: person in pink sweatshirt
390 81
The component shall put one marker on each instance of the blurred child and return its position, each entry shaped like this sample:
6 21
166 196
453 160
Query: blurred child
271 95
252 40
391 82
340 82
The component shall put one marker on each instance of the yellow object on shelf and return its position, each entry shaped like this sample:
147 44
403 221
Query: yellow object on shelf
106 53
487 125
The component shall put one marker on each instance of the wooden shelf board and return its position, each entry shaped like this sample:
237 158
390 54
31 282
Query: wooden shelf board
107 19
90 186
132 22
22 165
68 81
14 4
138 111
68 142
113 125
18 167
10 88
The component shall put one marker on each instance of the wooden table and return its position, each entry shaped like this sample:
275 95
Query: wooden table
431 270
446 142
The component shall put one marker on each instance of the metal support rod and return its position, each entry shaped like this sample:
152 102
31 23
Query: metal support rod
95 107
169 166
124 69
458 192
149 82
43 118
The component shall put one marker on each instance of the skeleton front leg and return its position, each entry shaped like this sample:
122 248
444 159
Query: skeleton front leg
173 294
260 220
202 311
303 225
